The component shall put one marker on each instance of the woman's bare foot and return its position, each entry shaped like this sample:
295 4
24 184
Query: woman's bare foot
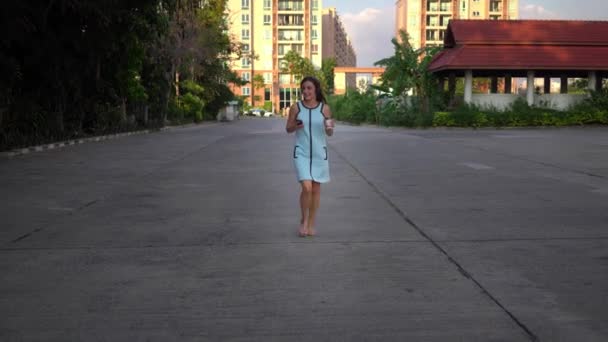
302 231
311 231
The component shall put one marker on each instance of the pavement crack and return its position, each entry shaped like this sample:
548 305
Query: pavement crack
435 244
25 236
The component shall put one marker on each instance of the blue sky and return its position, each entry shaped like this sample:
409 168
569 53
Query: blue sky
371 24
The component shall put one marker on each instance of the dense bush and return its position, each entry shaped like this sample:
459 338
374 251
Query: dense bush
354 107
406 111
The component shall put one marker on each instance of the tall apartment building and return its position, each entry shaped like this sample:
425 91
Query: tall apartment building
270 29
426 21
337 44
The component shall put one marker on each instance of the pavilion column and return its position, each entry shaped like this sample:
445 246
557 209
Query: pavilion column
592 81
452 88
468 86
530 88
508 86
441 84
494 85
547 83
563 86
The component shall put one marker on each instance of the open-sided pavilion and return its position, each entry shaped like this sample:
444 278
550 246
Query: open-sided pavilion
523 48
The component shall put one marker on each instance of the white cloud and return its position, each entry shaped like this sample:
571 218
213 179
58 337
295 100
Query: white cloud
370 31
532 11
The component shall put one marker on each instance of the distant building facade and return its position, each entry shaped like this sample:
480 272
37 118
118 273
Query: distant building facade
336 44
272 28
426 21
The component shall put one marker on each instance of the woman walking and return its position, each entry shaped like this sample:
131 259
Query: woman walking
311 120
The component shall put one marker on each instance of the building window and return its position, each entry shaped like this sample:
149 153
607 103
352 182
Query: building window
495 6
267 35
315 4
267 19
245 62
314 34
285 79
246 76
245 91
315 49
244 4
267 4
245 34
266 94
476 13
245 19
267 77
245 47
314 20
288 96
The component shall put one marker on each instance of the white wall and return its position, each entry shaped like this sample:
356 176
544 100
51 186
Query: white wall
502 101
558 101
498 101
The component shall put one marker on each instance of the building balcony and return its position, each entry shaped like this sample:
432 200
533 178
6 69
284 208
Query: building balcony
291 25
290 22
291 39
291 7
439 6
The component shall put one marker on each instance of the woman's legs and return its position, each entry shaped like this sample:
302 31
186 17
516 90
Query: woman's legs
306 197
316 198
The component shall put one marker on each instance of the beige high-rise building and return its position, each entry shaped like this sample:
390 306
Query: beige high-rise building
426 20
270 29
336 44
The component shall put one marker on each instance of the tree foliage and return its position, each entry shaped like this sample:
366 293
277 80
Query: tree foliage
407 70
299 67
327 73
70 68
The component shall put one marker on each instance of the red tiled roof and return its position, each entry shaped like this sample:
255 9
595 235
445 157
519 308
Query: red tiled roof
553 32
524 44
509 57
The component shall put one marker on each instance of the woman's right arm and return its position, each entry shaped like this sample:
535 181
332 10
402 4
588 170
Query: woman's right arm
292 125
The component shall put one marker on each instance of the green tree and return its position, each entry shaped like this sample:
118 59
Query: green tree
327 74
78 67
257 83
407 70
297 66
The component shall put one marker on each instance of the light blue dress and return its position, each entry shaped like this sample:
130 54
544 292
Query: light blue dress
310 151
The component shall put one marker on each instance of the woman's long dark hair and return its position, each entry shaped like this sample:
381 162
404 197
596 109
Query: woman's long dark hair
318 91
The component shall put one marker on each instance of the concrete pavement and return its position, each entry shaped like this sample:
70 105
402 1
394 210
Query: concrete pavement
424 235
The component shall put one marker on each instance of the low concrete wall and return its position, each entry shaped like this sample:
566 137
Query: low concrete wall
502 101
498 101
558 101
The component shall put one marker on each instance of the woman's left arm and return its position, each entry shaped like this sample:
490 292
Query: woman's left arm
329 130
